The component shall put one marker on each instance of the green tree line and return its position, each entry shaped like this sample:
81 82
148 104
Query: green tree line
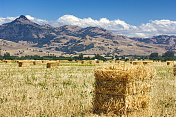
169 55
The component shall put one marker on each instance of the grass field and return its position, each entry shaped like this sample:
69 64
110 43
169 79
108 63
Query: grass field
68 90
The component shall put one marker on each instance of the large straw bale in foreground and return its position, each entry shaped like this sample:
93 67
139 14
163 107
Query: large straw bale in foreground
23 64
52 64
122 89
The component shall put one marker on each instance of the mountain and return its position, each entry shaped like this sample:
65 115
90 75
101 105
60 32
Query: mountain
161 39
164 41
24 37
22 29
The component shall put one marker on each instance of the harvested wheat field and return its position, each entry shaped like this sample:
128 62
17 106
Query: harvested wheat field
68 90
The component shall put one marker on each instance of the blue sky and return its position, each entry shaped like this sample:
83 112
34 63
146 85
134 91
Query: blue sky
141 18
134 12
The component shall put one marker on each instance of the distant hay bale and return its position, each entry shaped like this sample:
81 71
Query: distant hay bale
111 61
122 89
45 61
99 61
18 61
117 61
7 61
37 62
137 62
147 62
58 61
156 61
121 62
25 61
83 62
23 64
91 62
170 62
52 64
73 61
79 61
30 61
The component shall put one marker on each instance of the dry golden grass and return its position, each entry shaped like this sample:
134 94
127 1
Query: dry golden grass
174 70
68 91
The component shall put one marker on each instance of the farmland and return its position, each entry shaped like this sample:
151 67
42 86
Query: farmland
68 90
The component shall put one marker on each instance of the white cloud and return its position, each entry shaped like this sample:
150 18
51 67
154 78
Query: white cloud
155 27
116 25
9 19
39 21
6 20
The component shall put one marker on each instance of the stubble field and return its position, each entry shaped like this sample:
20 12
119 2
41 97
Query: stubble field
69 89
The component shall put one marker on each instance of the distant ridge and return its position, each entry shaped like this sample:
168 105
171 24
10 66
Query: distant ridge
70 39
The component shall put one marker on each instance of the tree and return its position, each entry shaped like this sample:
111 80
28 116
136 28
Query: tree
153 56
6 55
80 56
99 57
169 55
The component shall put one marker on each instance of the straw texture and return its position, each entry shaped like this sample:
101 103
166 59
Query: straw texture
122 89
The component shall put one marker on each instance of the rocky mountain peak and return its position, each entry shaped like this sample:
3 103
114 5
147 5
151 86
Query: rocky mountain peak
23 20
22 17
